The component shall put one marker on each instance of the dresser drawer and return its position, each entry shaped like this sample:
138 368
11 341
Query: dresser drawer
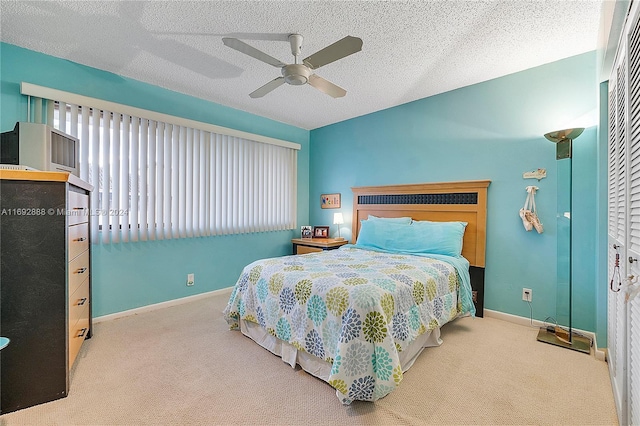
77 333
78 208
78 271
78 301
78 239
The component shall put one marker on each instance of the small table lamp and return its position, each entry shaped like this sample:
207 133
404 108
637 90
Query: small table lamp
338 219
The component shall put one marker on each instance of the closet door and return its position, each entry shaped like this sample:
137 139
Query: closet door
617 316
633 251
624 222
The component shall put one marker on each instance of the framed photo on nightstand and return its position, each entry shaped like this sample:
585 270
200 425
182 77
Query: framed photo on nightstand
306 231
320 232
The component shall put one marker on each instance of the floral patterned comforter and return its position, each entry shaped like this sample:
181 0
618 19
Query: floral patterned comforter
356 309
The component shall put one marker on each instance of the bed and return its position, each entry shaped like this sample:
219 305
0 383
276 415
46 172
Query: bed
358 317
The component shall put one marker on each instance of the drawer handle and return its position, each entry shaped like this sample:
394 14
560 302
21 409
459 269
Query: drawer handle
81 270
81 239
82 332
82 301
77 208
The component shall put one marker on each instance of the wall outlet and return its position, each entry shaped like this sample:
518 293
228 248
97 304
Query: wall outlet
527 294
191 280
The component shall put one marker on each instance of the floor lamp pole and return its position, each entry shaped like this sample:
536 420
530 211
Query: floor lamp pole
570 248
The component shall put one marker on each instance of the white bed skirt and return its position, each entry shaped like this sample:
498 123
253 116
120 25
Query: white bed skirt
318 367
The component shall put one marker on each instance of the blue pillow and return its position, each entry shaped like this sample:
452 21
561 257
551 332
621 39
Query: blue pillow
379 234
419 237
442 237
399 220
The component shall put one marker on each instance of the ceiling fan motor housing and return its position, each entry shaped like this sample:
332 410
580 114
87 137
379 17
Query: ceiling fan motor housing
296 74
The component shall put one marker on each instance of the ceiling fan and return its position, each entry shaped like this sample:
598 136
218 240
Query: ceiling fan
298 74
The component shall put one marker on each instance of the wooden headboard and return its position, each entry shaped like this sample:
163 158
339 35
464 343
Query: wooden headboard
442 202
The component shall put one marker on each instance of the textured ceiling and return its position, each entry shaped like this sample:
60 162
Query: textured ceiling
411 49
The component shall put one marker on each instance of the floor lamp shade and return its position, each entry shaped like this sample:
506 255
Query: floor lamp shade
563 140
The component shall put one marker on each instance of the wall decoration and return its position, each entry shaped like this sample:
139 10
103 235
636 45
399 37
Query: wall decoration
320 232
536 174
330 201
306 231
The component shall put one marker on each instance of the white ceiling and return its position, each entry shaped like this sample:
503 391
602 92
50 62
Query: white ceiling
411 49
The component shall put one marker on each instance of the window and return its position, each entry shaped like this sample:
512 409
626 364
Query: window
163 177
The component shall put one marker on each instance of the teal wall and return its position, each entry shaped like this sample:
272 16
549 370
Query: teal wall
131 275
491 130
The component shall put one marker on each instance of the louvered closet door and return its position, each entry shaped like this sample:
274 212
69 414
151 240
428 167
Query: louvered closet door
633 233
616 321
624 221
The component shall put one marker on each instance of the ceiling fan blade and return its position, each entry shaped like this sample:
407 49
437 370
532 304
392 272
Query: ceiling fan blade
338 50
326 86
260 92
243 47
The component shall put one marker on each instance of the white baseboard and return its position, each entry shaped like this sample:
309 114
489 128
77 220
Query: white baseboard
162 305
599 354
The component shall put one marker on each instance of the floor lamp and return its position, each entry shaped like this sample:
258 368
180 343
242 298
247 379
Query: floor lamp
557 335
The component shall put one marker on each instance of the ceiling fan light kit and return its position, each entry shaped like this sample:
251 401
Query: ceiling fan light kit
298 74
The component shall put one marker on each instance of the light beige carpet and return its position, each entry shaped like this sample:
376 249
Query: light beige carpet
181 366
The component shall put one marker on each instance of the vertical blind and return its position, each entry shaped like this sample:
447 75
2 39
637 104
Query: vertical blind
155 180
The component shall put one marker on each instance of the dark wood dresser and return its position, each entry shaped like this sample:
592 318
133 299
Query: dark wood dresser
45 284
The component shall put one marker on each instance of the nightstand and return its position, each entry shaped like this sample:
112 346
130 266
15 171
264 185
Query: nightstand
311 245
